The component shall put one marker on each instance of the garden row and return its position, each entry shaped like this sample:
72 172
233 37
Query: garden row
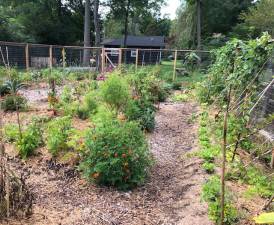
111 149
232 87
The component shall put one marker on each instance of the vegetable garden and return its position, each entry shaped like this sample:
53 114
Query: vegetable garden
139 146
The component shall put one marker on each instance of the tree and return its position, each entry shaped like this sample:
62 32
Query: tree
96 23
218 16
260 17
87 33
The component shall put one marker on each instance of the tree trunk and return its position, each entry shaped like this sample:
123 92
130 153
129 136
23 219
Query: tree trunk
199 30
96 23
126 24
87 34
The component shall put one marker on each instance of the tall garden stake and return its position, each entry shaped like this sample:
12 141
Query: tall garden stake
224 158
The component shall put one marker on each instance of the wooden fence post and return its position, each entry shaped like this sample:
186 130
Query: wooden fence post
27 56
137 57
103 61
64 57
50 56
120 57
174 66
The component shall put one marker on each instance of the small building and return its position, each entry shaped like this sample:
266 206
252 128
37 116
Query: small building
148 49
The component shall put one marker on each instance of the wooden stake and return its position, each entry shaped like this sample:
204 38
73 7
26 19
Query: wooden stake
175 63
64 57
120 56
50 56
27 56
137 56
103 60
224 159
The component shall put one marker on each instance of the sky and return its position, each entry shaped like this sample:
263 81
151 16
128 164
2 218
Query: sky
171 8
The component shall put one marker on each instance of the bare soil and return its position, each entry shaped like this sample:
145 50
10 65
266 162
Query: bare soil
171 195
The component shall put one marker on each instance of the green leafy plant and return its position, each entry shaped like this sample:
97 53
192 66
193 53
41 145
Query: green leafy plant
11 132
209 167
14 102
115 92
31 139
211 194
57 134
88 106
117 155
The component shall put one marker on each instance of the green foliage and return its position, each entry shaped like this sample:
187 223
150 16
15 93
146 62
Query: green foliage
88 106
57 134
179 97
259 184
143 112
13 102
115 92
11 132
14 85
235 65
117 155
260 17
31 139
211 194
209 167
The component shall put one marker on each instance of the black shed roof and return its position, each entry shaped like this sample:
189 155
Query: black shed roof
137 41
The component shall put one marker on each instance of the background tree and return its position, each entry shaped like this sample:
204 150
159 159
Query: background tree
87 32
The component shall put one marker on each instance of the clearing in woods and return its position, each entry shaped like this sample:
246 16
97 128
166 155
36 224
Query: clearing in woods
171 195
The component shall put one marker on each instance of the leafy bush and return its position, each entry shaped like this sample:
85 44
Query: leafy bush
115 92
30 140
180 98
57 134
117 155
143 112
12 102
88 107
211 194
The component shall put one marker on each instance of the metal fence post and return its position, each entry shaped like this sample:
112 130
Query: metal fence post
50 56
175 63
27 56
137 56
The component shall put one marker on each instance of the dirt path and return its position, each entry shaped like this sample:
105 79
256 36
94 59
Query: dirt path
171 196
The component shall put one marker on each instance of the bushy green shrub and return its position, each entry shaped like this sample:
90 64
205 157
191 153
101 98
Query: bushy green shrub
31 139
13 102
211 194
88 106
57 134
117 155
143 112
115 92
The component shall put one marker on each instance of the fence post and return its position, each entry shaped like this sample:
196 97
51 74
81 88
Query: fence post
137 56
174 66
27 56
50 56
64 57
103 61
120 57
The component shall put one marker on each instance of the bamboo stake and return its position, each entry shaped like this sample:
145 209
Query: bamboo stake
137 56
174 66
50 56
224 159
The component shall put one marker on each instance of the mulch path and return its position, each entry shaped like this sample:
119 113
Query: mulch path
170 196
